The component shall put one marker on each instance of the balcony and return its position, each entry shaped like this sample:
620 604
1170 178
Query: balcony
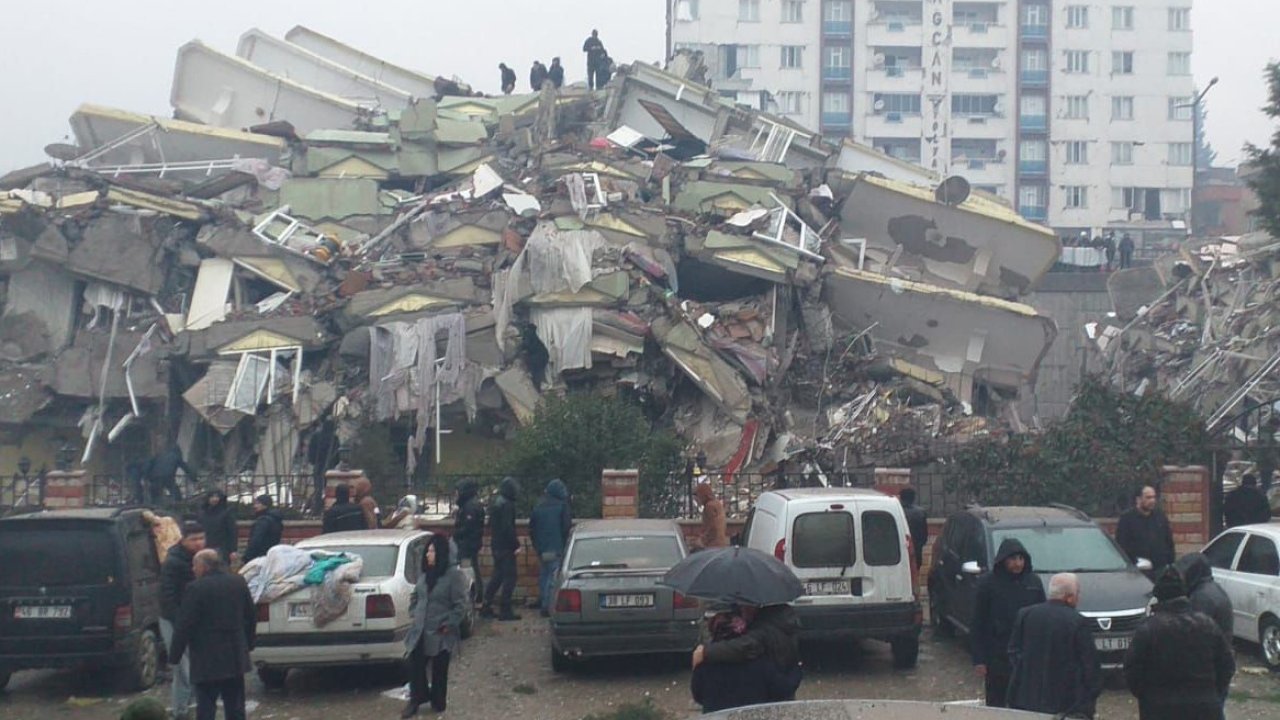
1033 167
1034 78
836 120
837 27
895 34
1035 213
1033 123
1035 32
837 74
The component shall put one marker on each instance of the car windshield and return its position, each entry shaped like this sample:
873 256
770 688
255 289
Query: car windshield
624 553
1065 549
379 560
57 557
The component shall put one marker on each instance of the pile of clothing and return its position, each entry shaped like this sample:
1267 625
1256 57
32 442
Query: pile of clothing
286 569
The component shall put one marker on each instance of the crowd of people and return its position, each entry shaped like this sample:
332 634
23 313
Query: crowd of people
1114 250
600 69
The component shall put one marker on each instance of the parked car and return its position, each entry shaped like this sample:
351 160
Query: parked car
1113 591
851 549
608 601
80 588
372 630
1247 565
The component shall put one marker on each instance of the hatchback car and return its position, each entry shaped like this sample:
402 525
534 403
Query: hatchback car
1246 564
373 628
80 588
608 601
1114 593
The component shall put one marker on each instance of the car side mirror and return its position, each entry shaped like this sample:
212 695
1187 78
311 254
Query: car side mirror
1144 565
971 568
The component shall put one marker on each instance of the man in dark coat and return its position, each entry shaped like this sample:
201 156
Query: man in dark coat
468 528
537 75
1179 666
1055 664
594 49
549 525
219 525
268 527
1206 596
1126 251
1010 586
175 575
216 626
1246 505
162 473
504 544
761 665
555 73
344 516
917 523
508 78
1144 532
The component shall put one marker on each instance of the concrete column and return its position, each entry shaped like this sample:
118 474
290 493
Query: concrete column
890 481
621 492
335 477
1184 492
65 489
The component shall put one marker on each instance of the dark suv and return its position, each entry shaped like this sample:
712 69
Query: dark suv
80 588
1113 591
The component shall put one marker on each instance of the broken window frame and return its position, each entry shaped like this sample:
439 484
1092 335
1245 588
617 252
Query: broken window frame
773 141
293 227
269 383
776 231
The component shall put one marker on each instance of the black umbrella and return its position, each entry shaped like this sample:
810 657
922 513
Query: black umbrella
735 575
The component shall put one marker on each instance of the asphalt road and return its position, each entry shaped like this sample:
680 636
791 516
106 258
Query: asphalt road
504 672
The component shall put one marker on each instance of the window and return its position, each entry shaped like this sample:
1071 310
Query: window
70 556
905 103
257 373
1180 153
1077 196
1033 151
881 541
790 103
1063 549
1033 106
1179 63
1122 153
1077 152
1222 552
686 10
1122 107
837 11
823 540
1259 557
1031 196
413 560
748 56
1077 17
974 149
837 57
1035 15
1078 61
792 56
1179 19
625 552
1180 108
748 10
835 103
974 104
1122 18
1077 107
1122 62
901 148
1176 200
792 11
1035 60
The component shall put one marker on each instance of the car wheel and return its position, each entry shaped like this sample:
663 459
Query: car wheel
938 615
906 651
273 678
560 662
1269 639
144 667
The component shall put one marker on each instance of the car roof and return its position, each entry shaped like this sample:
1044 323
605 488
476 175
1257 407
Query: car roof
1270 529
1030 516
829 493
97 514
614 528
363 537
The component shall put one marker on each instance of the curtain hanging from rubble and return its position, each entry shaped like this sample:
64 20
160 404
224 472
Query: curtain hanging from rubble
554 261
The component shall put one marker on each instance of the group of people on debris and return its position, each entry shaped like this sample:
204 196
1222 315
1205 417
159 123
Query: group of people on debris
1106 242
599 69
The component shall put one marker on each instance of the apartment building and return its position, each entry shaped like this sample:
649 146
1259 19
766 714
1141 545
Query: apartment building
1078 113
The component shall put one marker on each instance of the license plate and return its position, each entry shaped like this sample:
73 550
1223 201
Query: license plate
300 611
42 612
639 600
828 587
1112 644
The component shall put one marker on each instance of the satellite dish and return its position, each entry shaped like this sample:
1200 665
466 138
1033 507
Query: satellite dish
879 59
998 107
879 105
996 62
62 151
953 191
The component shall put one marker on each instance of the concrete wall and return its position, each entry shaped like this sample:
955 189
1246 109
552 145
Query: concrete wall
1071 299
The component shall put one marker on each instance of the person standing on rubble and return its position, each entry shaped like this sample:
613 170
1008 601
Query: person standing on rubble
595 53
537 75
508 78
555 73
1109 247
504 543
1126 251
468 528
604 71
162 473
1246 504
1144 532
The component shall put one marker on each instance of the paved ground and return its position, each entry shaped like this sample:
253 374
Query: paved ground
504 672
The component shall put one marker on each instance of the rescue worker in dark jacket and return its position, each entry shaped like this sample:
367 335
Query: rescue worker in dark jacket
917 523
344 516
219 525
549 525
268 528
216 628
759 665
508 78
555 73
1144 532
1010 586
1055 664
504 544
1179 666
1206 596
175 575
162 473
468 528
1246 505
537 75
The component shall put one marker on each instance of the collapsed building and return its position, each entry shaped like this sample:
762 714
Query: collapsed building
318 240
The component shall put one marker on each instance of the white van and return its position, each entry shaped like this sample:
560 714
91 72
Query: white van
851 549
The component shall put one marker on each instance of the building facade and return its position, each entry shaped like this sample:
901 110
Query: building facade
1078 113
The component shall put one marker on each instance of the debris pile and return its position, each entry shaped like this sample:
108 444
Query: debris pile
287 260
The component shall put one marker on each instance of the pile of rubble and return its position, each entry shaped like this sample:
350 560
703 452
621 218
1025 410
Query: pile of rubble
321 240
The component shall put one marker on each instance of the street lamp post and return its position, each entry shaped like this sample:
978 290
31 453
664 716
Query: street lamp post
1195 153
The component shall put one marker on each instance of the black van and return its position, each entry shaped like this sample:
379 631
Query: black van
80 588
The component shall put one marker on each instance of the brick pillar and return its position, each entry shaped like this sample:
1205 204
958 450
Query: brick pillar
334 478
1185 495
65 489
621 492
890 481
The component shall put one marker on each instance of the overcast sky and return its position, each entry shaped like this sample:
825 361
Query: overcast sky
58 54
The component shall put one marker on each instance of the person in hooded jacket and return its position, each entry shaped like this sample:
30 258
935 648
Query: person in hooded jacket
344 515
219 524
1206 596
1010 586
1179 665
760 664
268 528
1246 505
363 491
504 543
468 527
714 533
549 525
438 605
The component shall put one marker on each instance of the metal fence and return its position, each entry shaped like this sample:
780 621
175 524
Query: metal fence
21 492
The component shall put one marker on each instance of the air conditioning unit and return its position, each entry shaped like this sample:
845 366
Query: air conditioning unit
894 72
977 164
977 120
978 27
897 27
977 73
893 117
